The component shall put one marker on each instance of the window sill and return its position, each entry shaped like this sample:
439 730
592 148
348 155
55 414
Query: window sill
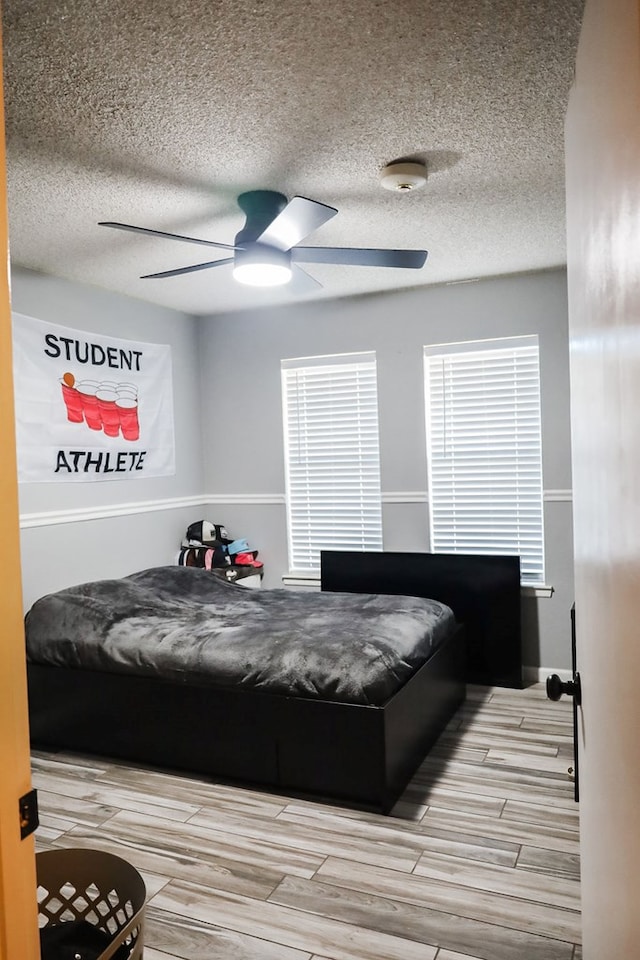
307 581
536 590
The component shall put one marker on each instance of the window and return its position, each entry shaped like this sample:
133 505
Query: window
330 408
484 450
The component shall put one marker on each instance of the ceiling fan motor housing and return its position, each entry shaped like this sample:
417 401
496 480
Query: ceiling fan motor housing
260 207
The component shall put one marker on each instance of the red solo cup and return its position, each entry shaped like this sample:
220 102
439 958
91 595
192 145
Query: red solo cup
72 402
108 411
128 411
90 407
129 393
127 389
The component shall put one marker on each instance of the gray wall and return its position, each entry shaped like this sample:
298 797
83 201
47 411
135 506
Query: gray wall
58 553
242 432
229 444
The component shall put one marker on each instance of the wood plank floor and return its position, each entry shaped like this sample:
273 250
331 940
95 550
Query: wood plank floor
478 861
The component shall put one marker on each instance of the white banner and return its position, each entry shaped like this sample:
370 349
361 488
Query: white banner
90 407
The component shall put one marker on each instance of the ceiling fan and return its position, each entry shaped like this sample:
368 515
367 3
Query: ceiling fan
266 251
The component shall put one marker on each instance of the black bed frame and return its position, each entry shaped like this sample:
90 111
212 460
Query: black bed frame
357 754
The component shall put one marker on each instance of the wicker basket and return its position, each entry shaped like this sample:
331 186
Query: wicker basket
98 888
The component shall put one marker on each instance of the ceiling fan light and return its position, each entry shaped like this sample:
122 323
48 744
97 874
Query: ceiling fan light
259 265
262 274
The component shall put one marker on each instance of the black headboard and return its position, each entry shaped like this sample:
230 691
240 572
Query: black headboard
482 591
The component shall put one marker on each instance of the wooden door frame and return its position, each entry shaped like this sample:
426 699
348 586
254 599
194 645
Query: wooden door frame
18 905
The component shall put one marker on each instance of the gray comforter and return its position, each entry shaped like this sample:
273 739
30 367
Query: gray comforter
183 624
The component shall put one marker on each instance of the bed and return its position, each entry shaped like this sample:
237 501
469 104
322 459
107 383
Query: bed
350 733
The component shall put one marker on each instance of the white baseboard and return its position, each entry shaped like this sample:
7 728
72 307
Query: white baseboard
540 674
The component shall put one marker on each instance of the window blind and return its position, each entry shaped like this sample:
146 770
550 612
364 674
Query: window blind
332 457
484 450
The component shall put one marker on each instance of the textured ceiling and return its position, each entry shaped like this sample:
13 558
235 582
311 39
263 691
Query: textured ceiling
160 114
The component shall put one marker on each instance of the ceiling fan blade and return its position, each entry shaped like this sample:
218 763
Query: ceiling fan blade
302 282
180 270
360 256
160 233
299 218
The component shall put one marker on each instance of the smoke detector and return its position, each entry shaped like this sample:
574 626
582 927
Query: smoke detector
403 177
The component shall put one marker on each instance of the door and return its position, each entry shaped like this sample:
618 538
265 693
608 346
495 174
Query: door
603 236
18 911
